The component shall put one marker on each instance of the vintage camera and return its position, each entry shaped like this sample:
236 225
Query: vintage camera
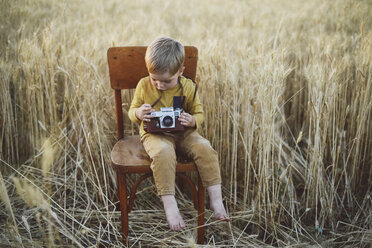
165 120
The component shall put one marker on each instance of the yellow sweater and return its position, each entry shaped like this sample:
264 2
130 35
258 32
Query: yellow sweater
148 93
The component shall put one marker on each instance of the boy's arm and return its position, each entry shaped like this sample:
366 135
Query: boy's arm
197 111
136 103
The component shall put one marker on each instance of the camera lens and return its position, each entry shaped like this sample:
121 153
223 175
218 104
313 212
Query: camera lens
167 121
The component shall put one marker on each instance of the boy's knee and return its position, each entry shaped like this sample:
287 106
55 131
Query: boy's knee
163 152
203 147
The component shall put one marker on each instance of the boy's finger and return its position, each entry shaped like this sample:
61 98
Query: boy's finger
150 109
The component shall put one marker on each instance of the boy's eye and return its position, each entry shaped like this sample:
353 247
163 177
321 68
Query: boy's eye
166 81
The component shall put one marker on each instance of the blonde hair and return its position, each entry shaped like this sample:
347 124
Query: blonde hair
165 55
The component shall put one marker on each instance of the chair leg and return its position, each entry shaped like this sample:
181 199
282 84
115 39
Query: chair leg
201 210
117 205
123 207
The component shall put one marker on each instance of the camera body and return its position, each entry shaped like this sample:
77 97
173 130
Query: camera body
165 120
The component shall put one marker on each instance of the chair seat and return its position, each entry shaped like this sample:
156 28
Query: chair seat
129 156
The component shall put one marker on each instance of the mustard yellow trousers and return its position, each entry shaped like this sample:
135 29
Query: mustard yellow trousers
162 150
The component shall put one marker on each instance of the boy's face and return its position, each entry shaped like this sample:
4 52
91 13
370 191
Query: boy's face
165 81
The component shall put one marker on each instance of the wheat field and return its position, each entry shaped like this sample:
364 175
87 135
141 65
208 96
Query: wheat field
286 88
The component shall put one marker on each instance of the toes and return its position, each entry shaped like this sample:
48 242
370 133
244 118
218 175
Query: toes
177 227
174 227
181 223
223 217
180 226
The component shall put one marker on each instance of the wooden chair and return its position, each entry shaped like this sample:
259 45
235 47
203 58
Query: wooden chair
128 156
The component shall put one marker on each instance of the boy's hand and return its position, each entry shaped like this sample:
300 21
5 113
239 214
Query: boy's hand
143 112
187 120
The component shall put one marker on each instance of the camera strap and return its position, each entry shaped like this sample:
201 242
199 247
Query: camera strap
161 94
182 97
157 100
196 87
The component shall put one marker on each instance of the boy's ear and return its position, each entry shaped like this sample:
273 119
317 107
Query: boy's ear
181 70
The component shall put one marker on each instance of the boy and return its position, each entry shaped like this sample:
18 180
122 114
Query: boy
164 60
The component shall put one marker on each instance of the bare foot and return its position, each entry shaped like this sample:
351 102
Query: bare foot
217 206
174 217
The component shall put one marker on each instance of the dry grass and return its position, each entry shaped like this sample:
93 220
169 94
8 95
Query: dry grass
286 87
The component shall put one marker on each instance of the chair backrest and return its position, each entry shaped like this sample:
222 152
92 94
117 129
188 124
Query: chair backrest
127 66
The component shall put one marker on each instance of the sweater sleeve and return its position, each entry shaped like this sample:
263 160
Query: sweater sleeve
137 102
196 111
